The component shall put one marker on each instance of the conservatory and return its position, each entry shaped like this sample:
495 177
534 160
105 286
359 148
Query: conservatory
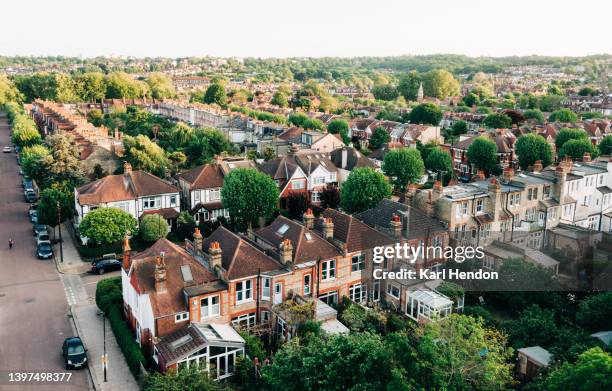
212 347
427 305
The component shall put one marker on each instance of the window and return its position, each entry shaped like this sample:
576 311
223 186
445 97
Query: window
196 195
243 291
151 202
209 307
376 291
479 206
297 185
393 291
316 196
488 262
329 297
265 316
328 269
307 284
358 263
535 193
181 317
358 293
319 180
437 241
464 208
601 179
265 287
546 191
246 320
529 194
215 194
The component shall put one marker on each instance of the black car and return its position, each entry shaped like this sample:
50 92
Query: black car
30 196
44 251
26 183
105 265
39 229
74 353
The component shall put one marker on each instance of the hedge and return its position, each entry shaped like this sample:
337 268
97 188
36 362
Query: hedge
108 293
99 251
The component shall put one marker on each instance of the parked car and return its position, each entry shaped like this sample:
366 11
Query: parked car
34 217
74 353
39 228
44 251
7 149
102 266
17 149
33 208
43 237
26 182
30 196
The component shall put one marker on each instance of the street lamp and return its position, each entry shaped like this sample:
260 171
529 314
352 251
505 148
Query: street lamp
59 227
104 357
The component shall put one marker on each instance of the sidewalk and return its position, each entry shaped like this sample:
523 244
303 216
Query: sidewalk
90 329
72 260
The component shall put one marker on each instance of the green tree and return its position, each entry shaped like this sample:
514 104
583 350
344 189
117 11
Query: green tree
47 206
8 91
160 86
379 137
204 144
534 114
298 119
144 154
498 121
576 149
385 92
404 166
339 126
215 94
471 99
107 225
595 311
409 85
121 85
153 227
605 146
563 115
363 189
95 116
188 379
459 127
566 134
63 164
482 153
249 195
33 161
532 147
440 84
587 91
534 326
313 124
185 225
24 132
440 161
279 99
426 113
40 85
91 87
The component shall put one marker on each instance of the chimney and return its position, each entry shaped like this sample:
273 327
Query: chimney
537 166
495 197
328 228
286 252
308 218
160 274
215 254
127 168
127 256
436 193
480 176
396 226
344 158
559 186
587 157
508 173
197 239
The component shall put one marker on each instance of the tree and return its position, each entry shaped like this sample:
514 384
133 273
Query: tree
459 127
313 124
144 154
329 364
385 92
24 132
205 143
591 372
33 161
566 134
363 189
185 225
279 99
47 206
563 115
330 197
426 113
534 326
91 86
595 311
471 99
534 114
587 91
576 149
339 126
188 379
409 85
95 116
297 203
249 195
482 153
459 353
63 164
297 119
498 121
121 85
515 115
605 146
8 91
160 86
215 94
379 137
404 166
532 147
153 227
107 225
328 104
440 161
440 84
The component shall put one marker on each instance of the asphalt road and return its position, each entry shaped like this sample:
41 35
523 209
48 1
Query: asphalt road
33 304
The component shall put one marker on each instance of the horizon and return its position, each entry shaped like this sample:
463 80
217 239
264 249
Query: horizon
275 29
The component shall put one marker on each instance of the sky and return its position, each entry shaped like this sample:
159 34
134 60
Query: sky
304 28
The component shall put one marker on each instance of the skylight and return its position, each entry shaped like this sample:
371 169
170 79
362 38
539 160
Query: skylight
308 236
186 272
283 229
180 342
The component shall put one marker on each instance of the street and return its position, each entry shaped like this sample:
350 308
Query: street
34 297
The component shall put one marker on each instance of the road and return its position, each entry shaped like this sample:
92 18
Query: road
33 298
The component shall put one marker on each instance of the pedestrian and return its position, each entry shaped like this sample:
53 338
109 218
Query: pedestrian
10 244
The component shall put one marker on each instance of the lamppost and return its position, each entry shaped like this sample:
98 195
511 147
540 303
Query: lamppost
59 227
104 357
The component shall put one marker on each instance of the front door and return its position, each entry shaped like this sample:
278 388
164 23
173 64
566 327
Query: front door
278 293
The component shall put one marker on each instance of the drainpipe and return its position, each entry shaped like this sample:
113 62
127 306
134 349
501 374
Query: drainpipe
258 293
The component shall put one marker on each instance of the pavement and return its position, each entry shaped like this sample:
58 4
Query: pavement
34 312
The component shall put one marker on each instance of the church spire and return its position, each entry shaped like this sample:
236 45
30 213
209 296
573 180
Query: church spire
420 93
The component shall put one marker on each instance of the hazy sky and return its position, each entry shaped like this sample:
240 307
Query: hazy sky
285 28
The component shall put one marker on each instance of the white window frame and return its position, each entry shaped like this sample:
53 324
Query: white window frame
358 293
300 183
215 194
479 205
181 317
391 288
212 309
173 200
332 294
244 289
307 290
328 270
315 196
266 290
146 203
357 263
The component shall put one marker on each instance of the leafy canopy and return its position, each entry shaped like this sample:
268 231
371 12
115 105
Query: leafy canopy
363 189
107 225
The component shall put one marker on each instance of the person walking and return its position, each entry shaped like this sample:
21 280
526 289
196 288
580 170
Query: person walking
10 244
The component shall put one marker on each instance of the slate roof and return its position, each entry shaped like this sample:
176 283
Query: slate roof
356 235
354 158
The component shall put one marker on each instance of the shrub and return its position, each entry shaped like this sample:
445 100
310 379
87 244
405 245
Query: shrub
125 339
253 345
108 293
153 227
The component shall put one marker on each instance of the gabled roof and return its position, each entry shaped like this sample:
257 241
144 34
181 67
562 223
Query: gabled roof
239 258
123 187
142 276
356 235
203 177
354 158
307 244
